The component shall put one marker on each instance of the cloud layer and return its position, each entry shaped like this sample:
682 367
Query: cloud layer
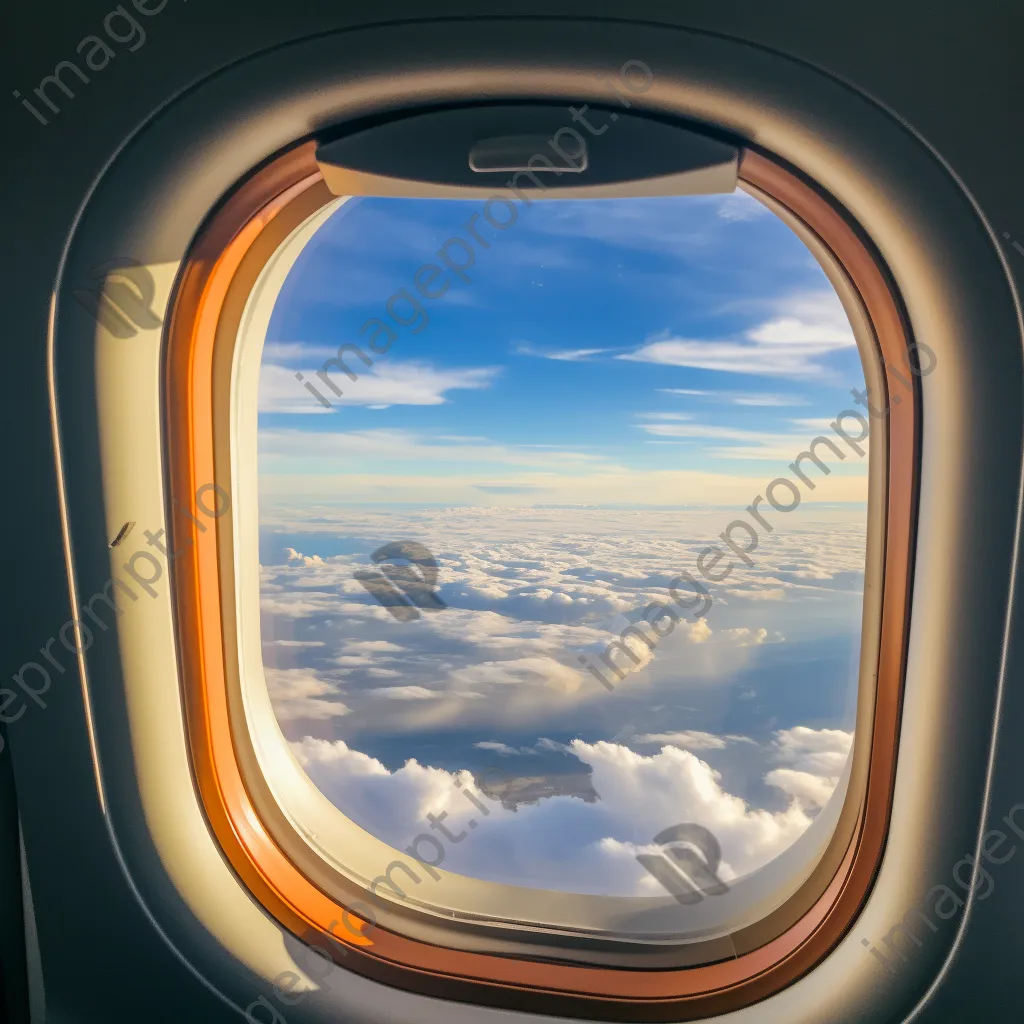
495 678
586 846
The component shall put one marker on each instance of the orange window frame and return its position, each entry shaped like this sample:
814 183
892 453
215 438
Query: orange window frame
212 288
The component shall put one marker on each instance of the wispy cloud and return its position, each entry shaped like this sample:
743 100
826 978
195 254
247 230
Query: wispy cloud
749 398
740 206
409 446
789 345
681 231
299 693
567 355
507 488
390 383
503 749
680 428
687 739
702 430
405 693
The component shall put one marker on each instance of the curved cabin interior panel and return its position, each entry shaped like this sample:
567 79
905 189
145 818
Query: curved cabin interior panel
524 515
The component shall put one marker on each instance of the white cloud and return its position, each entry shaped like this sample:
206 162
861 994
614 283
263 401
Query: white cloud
677 429
545 671
817 757
392 805
407 446
810 790
791 344
740 206
405 693
502 748
818 751
821 425
562 842
298 693
699 631
298 556
759 445
371 646
748 398
759 593
744 636
298 605
568 355
688 739
391 382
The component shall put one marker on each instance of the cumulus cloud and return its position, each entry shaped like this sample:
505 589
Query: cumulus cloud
307 560
298 693
809 790
570 844
745 636
699 631
817 756
818 751
388 804
405 693
515 671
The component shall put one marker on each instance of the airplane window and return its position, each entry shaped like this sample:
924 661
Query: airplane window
562 533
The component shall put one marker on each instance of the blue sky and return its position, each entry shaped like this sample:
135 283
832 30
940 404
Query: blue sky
596 343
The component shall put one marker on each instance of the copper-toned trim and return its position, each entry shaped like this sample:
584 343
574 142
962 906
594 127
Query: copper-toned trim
216 276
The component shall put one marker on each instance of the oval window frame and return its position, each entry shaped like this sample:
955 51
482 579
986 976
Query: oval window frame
214 284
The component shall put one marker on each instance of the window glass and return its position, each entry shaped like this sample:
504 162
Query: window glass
544 571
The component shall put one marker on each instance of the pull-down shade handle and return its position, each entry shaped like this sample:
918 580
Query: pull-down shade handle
537 151
514 153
